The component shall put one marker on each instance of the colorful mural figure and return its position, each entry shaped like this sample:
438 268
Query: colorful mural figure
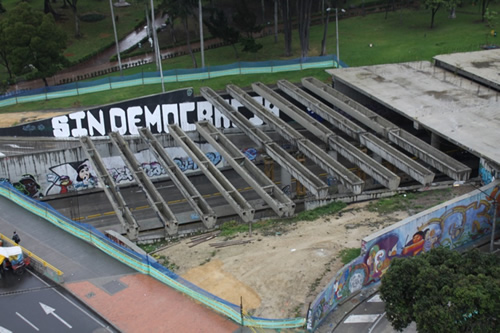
65 184
29 186
69 177
415 245
461 225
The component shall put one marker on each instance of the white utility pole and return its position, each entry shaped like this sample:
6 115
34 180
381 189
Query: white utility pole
202 46
116 37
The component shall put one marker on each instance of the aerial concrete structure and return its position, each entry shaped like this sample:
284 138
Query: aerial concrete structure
289 163
377 171
312 151
181 181
256 178
112 191
367 139
451 107
156 201
408 142
214 175
480 66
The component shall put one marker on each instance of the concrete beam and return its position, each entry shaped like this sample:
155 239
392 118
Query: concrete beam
346 149
424 151
112 191
214 175
430 155
256 178
193 197
281 156
156 202
355 110
317 155
380 147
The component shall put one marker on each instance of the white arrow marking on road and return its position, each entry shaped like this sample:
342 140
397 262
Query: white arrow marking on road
361 318
375 298
48 310
27 321
4 330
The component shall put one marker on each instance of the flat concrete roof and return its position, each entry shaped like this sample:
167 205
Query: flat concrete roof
453 107
481 66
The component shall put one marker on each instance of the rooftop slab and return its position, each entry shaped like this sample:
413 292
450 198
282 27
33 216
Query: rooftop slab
444 104
480 66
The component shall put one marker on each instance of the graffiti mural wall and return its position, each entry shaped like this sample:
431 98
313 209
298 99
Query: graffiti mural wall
153 112
40 178
457 224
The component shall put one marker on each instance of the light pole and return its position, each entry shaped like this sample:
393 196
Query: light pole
337 31
202 46
116 38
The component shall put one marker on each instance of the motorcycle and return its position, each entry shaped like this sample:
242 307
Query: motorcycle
12 258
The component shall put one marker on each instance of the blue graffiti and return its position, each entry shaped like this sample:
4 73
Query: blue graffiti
188 164
250 153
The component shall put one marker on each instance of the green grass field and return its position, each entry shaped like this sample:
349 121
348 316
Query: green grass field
404 36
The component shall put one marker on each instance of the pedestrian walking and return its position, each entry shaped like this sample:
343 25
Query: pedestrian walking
16 238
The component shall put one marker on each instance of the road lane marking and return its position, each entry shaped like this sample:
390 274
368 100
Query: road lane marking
51 311
361 319
375 298
73 303
27 321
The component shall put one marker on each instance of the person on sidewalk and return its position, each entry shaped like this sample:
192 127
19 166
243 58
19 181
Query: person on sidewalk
16 238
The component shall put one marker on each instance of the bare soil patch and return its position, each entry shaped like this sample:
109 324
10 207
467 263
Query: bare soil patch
277 275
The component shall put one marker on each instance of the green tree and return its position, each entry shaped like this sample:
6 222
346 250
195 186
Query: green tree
434 6
35 43
218 26
5 50
182 9
304 11
444 291
245 21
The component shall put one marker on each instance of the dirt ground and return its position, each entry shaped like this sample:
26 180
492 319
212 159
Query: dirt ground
17 118
278 275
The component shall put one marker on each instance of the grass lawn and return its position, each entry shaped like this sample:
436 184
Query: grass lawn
405 35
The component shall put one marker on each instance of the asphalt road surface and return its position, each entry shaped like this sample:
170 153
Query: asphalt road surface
28 303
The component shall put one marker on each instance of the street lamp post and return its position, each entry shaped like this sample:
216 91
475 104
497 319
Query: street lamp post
202 46
116 38
337 32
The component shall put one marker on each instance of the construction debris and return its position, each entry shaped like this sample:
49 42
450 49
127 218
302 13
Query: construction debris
230 243
202 238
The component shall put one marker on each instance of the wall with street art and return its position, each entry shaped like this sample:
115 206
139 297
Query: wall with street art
154 112
62 172
457 224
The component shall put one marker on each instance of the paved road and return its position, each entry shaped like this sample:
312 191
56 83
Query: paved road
31 304
132 302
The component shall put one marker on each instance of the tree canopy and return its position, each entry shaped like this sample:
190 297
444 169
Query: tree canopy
444 291
32 43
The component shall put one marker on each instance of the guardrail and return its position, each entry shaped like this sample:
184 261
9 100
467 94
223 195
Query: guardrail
144 264
38 264
175 75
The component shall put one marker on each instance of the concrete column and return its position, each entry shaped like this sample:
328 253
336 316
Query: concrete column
435 140
286 183
333 154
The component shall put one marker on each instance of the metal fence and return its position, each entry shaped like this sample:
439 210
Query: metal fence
142 263
169 76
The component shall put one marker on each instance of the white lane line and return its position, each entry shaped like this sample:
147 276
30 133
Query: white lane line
74 304
370 330
375 298
27 321
361 318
